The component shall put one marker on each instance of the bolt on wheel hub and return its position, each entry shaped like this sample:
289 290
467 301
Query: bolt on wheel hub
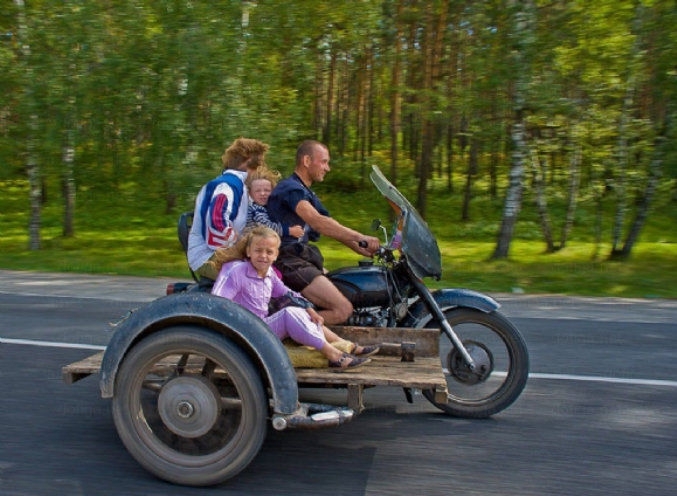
189 406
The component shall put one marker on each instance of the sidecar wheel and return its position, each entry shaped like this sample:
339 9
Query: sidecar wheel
190 406
501 359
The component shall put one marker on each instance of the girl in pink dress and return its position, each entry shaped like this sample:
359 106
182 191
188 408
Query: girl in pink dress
253 282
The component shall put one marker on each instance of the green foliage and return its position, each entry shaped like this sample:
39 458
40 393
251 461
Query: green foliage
150 93
132 235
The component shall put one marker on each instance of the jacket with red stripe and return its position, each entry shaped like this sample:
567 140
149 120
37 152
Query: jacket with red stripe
217 229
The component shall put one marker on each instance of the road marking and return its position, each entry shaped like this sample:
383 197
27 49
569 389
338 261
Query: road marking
533 375
614 380
51 344
590 378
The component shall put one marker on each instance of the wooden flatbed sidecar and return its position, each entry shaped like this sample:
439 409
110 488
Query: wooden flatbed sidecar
408 358
195 378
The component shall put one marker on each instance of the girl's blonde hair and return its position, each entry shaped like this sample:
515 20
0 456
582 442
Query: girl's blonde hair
238 251
263 172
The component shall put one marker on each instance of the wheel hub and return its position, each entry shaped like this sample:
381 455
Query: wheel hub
185 409
189 406
482 358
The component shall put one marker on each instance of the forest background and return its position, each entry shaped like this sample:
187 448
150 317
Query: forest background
536 137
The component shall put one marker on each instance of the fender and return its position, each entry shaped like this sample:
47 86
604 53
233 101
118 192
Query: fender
215 313
447 299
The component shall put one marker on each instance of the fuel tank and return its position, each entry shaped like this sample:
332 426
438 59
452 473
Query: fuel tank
365 285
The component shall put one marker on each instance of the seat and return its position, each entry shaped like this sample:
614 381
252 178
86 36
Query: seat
183 230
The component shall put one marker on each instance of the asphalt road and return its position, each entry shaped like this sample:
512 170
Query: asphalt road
598 415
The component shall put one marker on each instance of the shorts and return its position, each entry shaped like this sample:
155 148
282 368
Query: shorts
299 264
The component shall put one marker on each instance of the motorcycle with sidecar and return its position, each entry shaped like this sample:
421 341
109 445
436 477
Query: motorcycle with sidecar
194 378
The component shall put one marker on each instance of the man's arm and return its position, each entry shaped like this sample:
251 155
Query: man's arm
328 226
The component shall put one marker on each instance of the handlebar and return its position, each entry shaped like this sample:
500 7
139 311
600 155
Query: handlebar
382 252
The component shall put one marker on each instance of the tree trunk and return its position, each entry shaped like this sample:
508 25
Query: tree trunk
620 184
450 156
395 104
574 183
538 173
472 170
655 172
35 187
435 22
424 167
523 30
32 166
513 196
327 133
642 210
68 157
68 150
627 114
495 152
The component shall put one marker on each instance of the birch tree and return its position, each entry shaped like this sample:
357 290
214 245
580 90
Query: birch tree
30 117
522 26
655 52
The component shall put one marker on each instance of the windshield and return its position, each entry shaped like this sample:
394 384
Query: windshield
418 243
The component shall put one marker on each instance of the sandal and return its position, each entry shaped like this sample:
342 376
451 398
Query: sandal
367 351
348 361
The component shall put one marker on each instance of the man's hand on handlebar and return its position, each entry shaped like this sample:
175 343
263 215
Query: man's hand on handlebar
368 245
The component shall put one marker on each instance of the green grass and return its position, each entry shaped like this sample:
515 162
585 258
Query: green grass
125 235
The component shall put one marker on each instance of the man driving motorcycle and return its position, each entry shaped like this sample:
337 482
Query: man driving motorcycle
300 262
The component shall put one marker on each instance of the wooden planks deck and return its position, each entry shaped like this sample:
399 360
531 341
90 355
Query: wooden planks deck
392 367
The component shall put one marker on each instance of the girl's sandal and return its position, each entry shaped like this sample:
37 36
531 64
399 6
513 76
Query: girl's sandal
367 351
348 361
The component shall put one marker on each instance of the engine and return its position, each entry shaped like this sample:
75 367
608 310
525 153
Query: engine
369 317
376 299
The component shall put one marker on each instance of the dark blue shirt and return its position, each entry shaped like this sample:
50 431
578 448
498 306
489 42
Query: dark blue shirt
282 207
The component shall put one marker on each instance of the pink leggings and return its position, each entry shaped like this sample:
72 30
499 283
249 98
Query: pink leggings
295 323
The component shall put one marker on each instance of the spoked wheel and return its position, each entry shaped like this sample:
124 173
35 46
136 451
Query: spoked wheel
501 364
189 406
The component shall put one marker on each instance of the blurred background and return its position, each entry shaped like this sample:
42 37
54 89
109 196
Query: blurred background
536 138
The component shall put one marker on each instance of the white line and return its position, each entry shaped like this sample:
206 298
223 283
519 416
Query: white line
51 344
614 380
533 375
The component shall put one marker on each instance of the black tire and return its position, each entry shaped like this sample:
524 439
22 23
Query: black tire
498 347
189 406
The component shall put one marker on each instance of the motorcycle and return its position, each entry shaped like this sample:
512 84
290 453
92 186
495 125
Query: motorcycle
484 357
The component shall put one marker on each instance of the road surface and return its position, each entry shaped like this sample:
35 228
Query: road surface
598 416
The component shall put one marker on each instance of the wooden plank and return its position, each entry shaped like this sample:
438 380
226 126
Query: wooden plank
426 340
79 370
423 373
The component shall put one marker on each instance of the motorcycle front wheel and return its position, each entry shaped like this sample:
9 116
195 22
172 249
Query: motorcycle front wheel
501 364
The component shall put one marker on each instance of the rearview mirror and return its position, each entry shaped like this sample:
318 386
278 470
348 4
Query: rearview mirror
376 225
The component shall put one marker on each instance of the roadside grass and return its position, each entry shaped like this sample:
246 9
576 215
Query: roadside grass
649 273
126 235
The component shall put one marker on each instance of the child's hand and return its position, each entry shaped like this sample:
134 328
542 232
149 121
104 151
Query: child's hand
296 231
314 316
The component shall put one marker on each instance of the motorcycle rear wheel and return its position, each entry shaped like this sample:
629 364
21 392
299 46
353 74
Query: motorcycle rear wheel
502 363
